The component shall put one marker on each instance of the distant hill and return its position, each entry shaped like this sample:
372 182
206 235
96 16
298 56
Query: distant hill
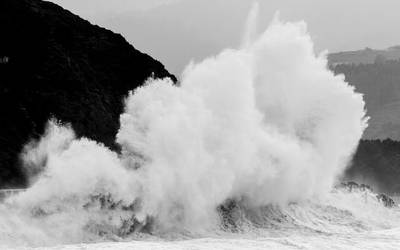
55 64
376 74
366 56
380 83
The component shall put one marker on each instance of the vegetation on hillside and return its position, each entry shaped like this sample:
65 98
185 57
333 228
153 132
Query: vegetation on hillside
380 84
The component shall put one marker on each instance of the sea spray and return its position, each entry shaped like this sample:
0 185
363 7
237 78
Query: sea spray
267 123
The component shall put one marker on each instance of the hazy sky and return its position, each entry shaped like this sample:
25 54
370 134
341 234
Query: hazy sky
176 31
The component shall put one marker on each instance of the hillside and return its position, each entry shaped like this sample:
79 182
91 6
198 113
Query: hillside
376 74
365 56
55 64
380 84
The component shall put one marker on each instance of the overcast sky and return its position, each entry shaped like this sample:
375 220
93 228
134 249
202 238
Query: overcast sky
177 31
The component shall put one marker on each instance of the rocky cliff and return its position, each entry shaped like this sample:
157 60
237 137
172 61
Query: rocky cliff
55 64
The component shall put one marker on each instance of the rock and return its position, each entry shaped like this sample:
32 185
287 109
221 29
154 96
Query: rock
350 186
386 200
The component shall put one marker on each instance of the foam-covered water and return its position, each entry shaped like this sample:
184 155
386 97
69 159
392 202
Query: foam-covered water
244 153
342 220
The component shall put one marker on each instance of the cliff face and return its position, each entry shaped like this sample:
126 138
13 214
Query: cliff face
55 64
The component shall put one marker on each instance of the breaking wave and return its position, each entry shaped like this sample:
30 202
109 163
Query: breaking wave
251 141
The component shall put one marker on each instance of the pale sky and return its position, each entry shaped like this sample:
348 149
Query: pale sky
177 31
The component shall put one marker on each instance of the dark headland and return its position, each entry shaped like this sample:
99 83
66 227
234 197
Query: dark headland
55 64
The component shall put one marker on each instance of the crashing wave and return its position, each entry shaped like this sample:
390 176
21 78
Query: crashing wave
252 140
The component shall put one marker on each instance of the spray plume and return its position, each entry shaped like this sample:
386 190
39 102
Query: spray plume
250 31
265 124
